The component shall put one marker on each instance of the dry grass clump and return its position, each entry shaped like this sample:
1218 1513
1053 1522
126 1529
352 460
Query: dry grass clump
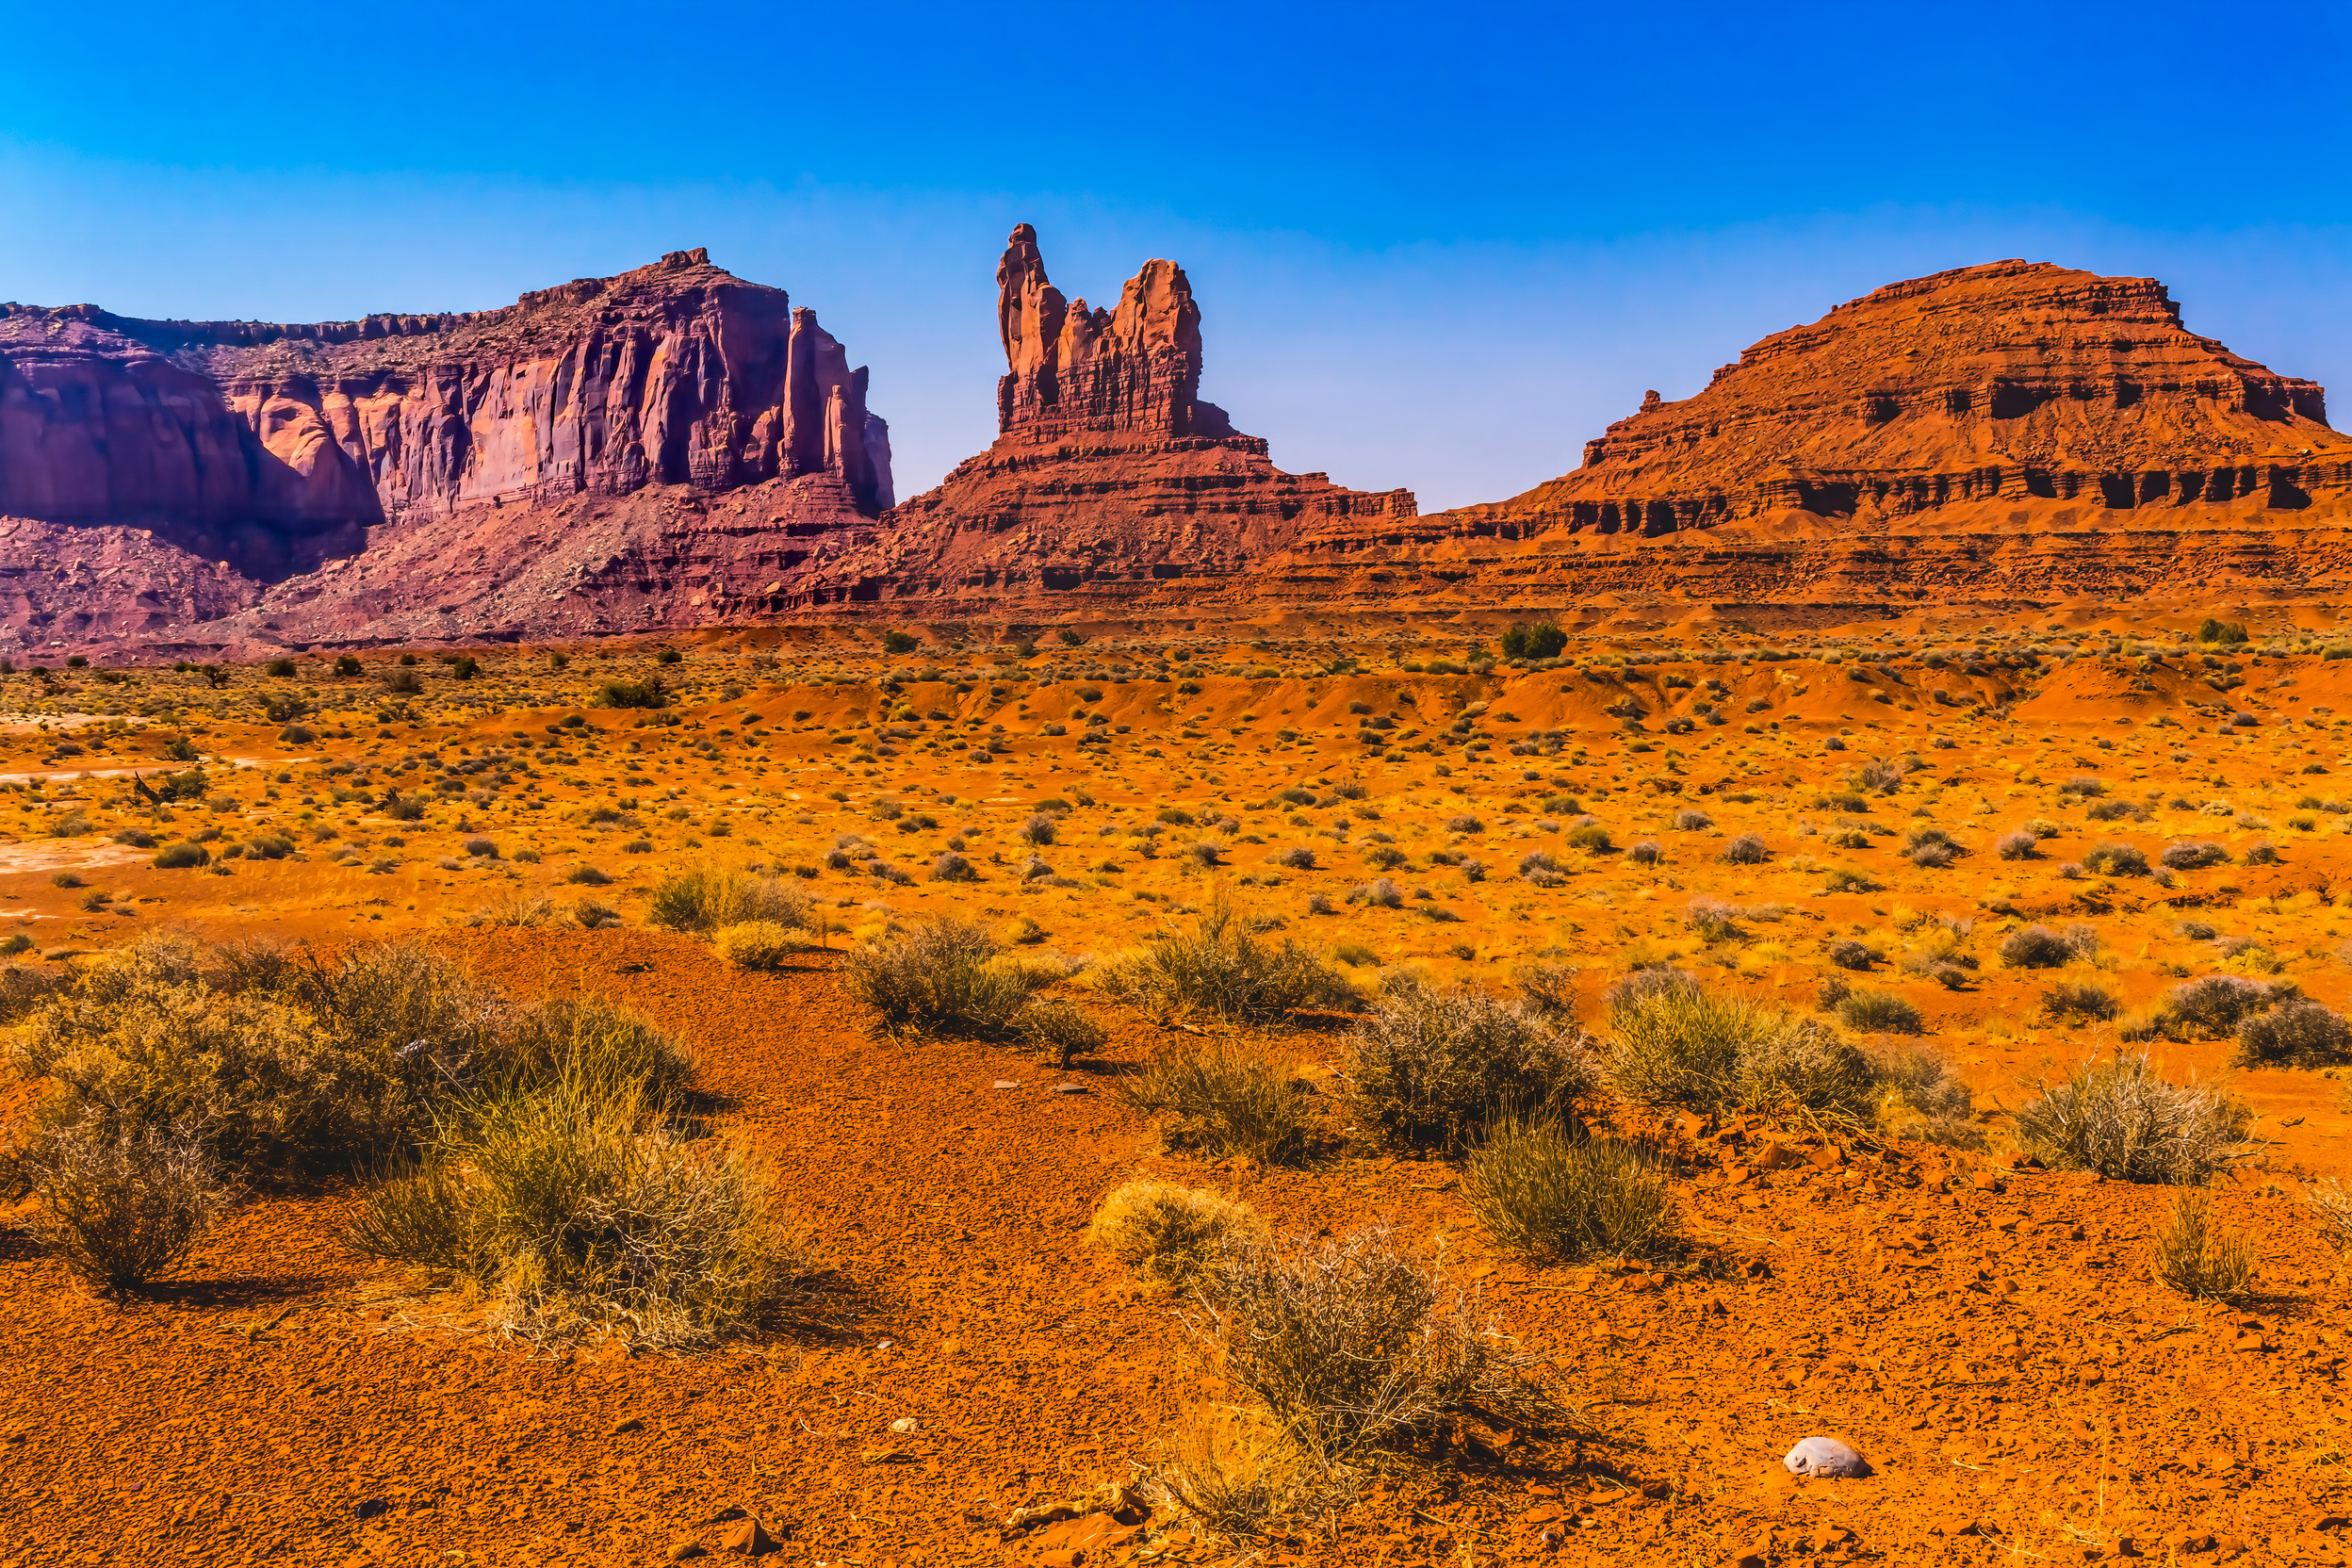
2332 1203
1428 1067
2079 1002
2037 947
2197 1258
1223 1097
760 944
1349 1346
1171 1233
2120 1118
1545 1189
1233 1473
1058 1032
593 1037
123 1204
701 899
936 976
1221 968
581 1208
1879 1013
1674 1042
2298 1032
1548 989
1921 1098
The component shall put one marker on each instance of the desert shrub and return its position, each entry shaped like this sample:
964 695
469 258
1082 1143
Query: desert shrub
1921 1097
180 856
1692 820
936 976
587 876
2079 1002
2185 856
593 916
1297 858
1841 879
1222 1097
523 907
2197 1258
1537 866
481 849
269 1064
2298 1032
1548 989
584 1215
2015 846
1644 852
2331 1205
2035 947
1169 1234
1848 954
1057 1032
701 899
1354 954
1545 1189
2115 859
763 944
1428 1067
2261 854
1349 1346
1040 828
1746 850
1878 1012
122 1205
1674 1042
1931 847
1541 640
1591 837
618 693
2122 1120
2217 1004
593 1039
1220 967
952 866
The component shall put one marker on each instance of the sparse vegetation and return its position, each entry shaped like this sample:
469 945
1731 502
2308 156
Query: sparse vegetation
937 977
1220 968
2121 1119
1224 1098
1545 1189
1428 1067
122 1205
1175 1236
2199 1258
703 899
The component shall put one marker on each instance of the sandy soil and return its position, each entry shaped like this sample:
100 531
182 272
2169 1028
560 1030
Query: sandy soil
1988 1335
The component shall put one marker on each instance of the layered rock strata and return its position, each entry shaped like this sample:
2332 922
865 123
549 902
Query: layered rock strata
154 473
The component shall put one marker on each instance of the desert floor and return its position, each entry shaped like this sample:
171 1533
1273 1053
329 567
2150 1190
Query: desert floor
1987 1333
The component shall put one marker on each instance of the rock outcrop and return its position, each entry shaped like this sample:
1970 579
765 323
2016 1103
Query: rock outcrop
2008 428
1111 483
162 470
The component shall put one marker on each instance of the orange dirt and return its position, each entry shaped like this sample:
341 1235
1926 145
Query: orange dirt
1987 1335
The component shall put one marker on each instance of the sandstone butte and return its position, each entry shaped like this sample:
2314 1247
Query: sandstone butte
675 448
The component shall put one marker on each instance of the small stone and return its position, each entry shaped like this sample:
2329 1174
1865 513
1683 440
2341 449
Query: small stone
746 1538
681 1550
1005 1084
1826 1456
1071 1088
633 1424
904 1424
370 1508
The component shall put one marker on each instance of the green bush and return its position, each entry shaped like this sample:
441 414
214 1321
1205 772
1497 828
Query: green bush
1543 640
618 693
937 977
701 899
1223 1098
1220 968
1428 1067
1545 1189
1674 1042
584 1214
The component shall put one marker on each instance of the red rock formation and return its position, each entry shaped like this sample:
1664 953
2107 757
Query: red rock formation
205 461
2011 428
1110 479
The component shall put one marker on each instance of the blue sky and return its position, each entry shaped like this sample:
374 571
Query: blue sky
1437 247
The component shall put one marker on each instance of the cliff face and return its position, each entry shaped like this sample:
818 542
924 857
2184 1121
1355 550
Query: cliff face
2009 381
164 479
2008 430
675 373
1110 481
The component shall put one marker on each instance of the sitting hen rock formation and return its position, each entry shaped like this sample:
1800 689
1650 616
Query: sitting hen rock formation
1110 479
156 477
2008 428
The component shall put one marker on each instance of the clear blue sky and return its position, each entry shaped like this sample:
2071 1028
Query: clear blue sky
1438 247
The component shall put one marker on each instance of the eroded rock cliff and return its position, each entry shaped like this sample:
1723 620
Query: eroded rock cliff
159 470
1110 481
